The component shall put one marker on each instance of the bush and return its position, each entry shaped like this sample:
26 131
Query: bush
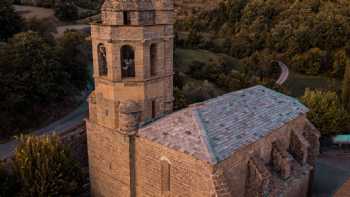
44 167
326 111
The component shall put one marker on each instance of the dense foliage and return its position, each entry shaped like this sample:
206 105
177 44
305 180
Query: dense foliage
75 54
10 22
34 75
346 88
308 35
327 112
44 167
66 10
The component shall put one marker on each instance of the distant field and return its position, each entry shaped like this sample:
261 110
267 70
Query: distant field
185 57
297 83
30 11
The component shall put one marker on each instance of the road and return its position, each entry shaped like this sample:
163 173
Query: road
70 121
284 73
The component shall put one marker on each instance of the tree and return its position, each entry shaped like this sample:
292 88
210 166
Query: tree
66 10
326 111
44 167
311 62
346 88
74 56
340 61
10 22
31 79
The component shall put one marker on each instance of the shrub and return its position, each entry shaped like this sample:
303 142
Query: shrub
326 111
44 167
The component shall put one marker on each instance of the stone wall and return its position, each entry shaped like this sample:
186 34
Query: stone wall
238 167
75 139
188 176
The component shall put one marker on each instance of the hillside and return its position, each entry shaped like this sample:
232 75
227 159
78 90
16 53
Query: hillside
183 8
310 35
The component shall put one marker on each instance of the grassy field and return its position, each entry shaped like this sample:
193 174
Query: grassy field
185 57
297 83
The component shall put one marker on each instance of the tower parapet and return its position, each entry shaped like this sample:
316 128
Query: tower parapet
137 12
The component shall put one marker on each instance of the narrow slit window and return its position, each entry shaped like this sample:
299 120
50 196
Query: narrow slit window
154 113
153 59
165 173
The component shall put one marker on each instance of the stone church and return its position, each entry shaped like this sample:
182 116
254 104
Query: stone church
253 142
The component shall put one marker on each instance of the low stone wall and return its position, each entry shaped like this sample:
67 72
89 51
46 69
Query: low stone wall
75 138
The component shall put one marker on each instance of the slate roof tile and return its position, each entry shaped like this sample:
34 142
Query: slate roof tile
213 130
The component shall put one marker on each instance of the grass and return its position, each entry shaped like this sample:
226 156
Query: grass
297 83
185 57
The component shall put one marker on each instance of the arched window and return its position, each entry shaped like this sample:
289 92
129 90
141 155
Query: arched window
165 175
127 55
102 60
153 59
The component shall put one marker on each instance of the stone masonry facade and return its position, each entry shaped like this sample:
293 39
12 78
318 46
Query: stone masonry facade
254 142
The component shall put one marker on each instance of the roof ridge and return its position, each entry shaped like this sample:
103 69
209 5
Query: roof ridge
204 136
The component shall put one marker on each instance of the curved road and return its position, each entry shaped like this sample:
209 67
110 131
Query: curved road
284 73
72 120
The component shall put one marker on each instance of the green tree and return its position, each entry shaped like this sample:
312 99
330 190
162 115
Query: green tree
44 167
10 22
311 62
66 10
31 79
340 61
346 88
326 111
74 56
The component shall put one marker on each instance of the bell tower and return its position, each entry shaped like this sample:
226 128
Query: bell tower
133 55
133 72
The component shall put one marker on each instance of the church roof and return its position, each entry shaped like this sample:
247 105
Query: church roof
213 130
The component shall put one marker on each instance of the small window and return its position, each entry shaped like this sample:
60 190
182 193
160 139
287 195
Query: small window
154 112
165 173
153 59
102 60
126 18
127 61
